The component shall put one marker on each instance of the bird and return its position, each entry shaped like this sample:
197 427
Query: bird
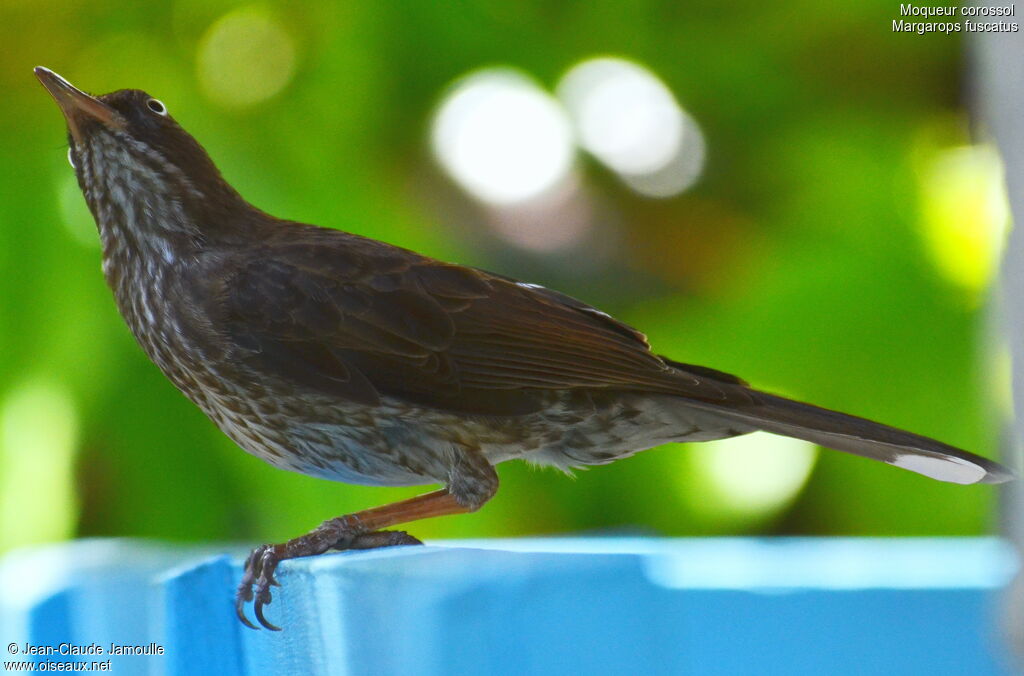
349 359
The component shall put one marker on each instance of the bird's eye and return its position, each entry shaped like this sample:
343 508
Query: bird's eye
157 106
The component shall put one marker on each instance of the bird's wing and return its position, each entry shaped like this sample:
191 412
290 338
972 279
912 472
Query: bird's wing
374 321
381 321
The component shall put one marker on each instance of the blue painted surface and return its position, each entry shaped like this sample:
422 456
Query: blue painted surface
83 593
567 605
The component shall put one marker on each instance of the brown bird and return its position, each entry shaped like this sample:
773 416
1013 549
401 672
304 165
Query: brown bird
341 357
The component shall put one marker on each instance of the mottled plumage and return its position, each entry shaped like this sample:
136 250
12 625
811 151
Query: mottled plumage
346 358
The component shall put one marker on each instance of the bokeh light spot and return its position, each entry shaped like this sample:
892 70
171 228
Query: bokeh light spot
965 213
502 138
558 222
245 58
754 473
629 120
38 435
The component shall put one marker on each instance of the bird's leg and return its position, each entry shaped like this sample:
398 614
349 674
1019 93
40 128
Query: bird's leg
472 483
361 530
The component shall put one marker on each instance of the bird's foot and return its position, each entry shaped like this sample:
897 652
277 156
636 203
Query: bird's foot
258 573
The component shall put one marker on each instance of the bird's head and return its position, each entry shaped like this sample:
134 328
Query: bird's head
131 157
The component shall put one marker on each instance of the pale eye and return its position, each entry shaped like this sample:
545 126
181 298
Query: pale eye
71 159
157 106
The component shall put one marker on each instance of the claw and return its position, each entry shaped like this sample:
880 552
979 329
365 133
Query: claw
243 596
240 611
244 593
258 610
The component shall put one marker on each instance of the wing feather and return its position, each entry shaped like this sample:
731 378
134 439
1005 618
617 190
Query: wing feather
392 323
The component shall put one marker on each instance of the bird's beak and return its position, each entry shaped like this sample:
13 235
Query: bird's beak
76 105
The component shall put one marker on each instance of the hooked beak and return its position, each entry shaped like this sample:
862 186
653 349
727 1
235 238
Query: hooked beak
76 105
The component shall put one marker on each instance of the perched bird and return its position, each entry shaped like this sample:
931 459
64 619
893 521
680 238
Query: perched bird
341 357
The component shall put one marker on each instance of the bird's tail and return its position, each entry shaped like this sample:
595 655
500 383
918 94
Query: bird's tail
869 439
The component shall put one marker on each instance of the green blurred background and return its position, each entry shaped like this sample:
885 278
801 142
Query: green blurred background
838 247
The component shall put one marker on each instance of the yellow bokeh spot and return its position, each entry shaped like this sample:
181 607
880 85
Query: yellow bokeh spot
38 436
964 213
244 58
752 475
